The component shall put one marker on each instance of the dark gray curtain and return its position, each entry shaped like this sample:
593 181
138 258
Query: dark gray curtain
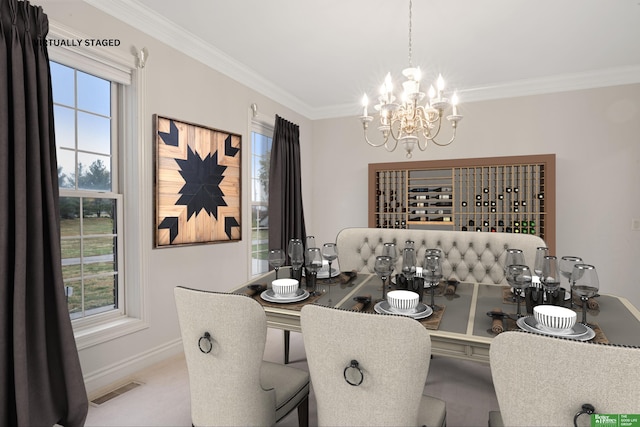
286 217
40 376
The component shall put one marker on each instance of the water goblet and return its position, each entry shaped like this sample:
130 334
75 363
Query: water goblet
313 260
409 266
585 283
276 259
389 249
566 269
541 252
550 278
310 242
330 252
514 256
409 244
432 272
383 269
296 255
519 277
432 251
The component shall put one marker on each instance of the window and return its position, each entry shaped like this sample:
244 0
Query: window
85 111
260 158
98 97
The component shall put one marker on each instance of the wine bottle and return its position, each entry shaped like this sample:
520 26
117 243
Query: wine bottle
464 228
532 231
442 204
493 229
419 204
441 219
540 195
464 204
485 223
418 190
417 218
442 196
500 223
485 203
420 197
471 223
485 190
419 211
493 203
478 203
478 197
493 210
501 196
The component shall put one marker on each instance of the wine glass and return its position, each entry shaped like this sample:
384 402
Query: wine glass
566 269
390 250
432 272
310 242
313 261
409 265
514 256
550 278
432 251
296 255
585 283
276 259
519 277
541 252
383 269
330 252
409 244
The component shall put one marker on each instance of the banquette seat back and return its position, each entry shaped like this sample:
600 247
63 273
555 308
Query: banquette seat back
468 256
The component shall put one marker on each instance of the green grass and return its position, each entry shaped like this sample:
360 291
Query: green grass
98 291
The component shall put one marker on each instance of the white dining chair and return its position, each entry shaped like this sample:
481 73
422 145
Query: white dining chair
224 337
369 369
545 381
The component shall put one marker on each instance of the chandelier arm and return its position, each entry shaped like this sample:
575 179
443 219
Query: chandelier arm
366 138
445 144
425 144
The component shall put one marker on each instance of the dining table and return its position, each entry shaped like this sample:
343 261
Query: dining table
461 325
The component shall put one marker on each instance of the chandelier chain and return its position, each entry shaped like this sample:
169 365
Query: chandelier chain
410 36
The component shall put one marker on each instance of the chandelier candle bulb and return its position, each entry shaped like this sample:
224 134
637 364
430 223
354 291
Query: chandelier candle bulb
365 103
454 103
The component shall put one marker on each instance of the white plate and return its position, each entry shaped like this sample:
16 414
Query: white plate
579 331
270 296
422 311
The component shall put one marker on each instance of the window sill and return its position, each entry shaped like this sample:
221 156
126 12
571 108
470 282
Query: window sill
88 336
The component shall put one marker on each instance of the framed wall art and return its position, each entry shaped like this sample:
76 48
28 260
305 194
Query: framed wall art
197 184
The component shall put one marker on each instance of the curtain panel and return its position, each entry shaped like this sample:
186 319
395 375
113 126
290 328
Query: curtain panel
286 216
40 376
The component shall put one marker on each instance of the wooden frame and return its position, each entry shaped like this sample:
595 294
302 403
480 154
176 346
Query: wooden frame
197 184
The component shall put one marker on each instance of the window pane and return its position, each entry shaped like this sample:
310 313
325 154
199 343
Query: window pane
69 216
62 84
70 257
94 94
98 249
66 168
94 133
99 292
98 216
65 125
74 301
95 176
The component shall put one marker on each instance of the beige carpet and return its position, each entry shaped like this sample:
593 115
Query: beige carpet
162 399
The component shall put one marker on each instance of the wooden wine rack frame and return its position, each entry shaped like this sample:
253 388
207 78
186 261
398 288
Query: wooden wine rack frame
503 194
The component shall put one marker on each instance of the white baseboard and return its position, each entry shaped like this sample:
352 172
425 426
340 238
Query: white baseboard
114 375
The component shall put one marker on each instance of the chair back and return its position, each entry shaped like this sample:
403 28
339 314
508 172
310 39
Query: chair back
393 353
543 381
224 381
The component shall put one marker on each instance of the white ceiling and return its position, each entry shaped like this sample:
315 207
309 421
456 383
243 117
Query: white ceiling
319 57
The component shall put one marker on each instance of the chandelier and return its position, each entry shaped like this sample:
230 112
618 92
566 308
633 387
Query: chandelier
412 122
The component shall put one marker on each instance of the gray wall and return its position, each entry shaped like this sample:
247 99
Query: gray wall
594 134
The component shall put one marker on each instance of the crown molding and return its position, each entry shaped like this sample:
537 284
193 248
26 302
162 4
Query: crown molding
146 20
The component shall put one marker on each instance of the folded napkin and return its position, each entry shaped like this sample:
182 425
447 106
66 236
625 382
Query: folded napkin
452 285
255 289
592 303
496 324
347 276
362 302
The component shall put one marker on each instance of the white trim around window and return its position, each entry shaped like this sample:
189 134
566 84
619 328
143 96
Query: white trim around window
134 157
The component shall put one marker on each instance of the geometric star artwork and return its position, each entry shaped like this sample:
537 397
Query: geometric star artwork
197 184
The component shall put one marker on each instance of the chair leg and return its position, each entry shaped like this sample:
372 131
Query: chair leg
303 413
286 346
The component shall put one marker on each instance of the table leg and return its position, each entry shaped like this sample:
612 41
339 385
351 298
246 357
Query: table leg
286 346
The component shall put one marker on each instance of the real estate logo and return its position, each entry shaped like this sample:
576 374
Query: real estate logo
615 420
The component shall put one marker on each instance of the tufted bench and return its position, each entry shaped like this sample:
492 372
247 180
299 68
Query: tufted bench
469 256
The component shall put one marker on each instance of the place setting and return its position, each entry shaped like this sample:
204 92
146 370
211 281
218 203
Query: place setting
549 315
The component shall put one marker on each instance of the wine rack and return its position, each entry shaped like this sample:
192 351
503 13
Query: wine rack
496 194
